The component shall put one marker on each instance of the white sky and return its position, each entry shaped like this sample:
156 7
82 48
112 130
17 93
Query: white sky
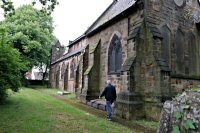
73 17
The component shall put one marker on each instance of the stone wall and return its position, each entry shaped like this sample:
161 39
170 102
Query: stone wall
181 115
180 46
79 44
57 51
61 70
178 84
149 73
160 57
120 28
147 81
92 74
163 51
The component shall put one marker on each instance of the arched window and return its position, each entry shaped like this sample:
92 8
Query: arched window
62 71
192 54
72 67
165 48
115 56
58 73
180 45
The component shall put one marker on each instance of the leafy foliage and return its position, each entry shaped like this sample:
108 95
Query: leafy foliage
176 129
178 115
30 31
189 124
7 6
47 6
10 67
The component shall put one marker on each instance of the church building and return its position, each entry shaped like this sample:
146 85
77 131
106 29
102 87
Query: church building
149 49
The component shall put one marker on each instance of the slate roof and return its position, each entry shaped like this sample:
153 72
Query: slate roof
68 55
116 8
76 40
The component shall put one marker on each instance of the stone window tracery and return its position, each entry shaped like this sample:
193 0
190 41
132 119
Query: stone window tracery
115 56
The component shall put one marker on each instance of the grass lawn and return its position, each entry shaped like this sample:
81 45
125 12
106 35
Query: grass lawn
32 111
51 91
146 123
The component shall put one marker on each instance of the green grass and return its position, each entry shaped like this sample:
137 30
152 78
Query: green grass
146 123
32 111
51 91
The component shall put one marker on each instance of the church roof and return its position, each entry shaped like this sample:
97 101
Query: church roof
76 40
115 9
74 52
68 55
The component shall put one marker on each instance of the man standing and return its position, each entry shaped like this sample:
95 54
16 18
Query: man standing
110 95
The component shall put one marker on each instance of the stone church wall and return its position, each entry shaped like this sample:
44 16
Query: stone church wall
61 70
183 46
179 47
160 57
121 30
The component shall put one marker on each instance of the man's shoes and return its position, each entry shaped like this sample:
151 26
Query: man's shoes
109 119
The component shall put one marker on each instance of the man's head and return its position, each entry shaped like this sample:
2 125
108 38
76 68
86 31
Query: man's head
108 82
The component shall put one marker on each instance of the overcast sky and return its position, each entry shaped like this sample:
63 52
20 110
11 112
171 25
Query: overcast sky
73 17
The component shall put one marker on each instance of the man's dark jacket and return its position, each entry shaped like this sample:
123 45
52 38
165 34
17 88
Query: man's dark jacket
109 93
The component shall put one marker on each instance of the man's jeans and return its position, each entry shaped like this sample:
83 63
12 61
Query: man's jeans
109 109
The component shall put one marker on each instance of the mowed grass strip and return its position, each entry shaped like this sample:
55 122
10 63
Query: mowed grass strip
31 111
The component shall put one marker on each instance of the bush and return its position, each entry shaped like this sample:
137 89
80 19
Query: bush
10 67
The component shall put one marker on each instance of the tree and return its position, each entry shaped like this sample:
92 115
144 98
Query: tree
31 32
10 67
47 6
